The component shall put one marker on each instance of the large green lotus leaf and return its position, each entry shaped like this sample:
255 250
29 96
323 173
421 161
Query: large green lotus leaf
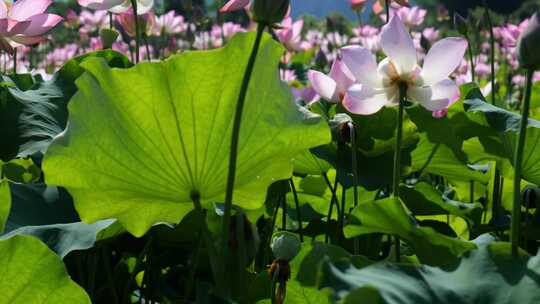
423 199
5 203
486 275
388 216
32 112
306 163
48 214
32 274
376 134
507 123
140 141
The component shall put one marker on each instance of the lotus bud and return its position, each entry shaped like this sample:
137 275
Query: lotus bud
108 37
339 126
461 24
270 11
531 196
528 48
285 245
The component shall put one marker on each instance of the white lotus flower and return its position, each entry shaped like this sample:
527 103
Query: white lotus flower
379 85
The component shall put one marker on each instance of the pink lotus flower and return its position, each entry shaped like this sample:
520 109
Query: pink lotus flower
290 34
117 6
100 5
410 16
332 87
169 23
25 22
378 6
235 5
378 86
306 94
146 22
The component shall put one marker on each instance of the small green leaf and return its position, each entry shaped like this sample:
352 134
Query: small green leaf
21 170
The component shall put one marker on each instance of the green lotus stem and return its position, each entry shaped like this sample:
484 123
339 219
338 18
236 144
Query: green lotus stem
397 153
14 61
491 52
111 22
518 159
233 156
354 149
147 46
137 31
218 267
298 212
399 139
283 212
472 192
342 215
333 201
387 7
471 58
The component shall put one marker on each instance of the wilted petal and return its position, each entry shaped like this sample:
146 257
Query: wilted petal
24 9
343 78
41 23
363 100
398 45
323 85
442 59
234 5
362 64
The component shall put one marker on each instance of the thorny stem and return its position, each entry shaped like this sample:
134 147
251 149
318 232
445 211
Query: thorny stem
137 31
516 208
14 61
235 139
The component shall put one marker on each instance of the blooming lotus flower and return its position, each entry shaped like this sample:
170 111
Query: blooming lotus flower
169 23
378 6
25 22
100 5
235 5
146 22
118 6
290 34
334 86
305 94
379 86
410 16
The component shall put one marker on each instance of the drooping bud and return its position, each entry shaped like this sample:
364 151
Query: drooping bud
339 126
270 11
461 24
528 48
108 37
285 245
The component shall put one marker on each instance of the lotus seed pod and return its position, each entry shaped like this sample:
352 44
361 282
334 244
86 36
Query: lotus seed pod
270 11
529 45
108 37
285 245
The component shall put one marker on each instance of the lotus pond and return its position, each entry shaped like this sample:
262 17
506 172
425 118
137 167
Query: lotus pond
249 152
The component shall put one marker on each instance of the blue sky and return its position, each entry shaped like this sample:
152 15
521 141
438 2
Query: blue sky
321 8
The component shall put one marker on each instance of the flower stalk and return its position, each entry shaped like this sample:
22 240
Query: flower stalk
233 156
137 31
518 160
491 53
